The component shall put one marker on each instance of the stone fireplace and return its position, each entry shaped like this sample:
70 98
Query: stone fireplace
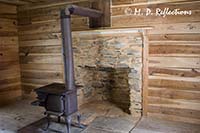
108 66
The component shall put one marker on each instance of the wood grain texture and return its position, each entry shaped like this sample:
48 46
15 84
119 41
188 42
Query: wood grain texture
174 62
10 82
145 71
40 42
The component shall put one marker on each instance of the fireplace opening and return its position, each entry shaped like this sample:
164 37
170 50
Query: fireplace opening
108 67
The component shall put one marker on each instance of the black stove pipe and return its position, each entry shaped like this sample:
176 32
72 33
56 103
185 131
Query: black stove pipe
67 51
67 39
82 11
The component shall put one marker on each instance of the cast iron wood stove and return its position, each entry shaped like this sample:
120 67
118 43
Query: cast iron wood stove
61 99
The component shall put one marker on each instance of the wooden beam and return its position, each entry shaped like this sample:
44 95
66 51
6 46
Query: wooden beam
14 2
50 4
123 3
105 20
145 72
4 9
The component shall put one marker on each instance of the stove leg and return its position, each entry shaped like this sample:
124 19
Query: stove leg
58 119
79 119
48 122
68 122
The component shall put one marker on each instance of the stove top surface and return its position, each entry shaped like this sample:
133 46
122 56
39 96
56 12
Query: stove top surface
54 88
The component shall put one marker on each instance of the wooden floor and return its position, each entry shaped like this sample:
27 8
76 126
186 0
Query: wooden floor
152 125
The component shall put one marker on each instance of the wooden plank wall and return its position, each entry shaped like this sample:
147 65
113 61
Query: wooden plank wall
40 43
174 65
174 62
10 87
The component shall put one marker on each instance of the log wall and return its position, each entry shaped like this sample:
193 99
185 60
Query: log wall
40 43
174 62
10 87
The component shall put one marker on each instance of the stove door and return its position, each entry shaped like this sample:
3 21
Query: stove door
54 103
